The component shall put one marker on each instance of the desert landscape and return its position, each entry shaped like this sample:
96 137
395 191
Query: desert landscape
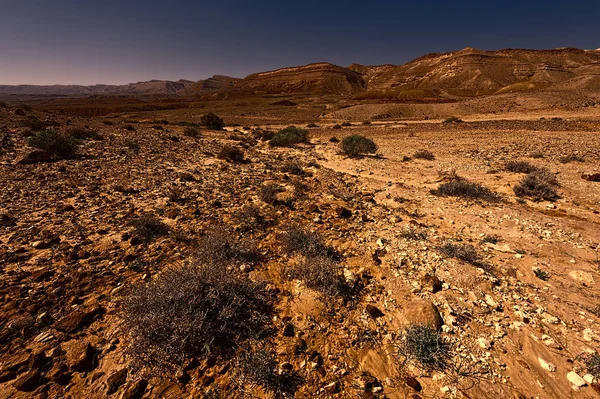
425 230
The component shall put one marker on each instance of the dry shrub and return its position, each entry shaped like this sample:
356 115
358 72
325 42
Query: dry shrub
322 274
191 131
572 158
85 134
536 155
219 246
592 364
268 193
539 185
452 119
464 252
424 154
231 154
413 233
257 365
425 346
149 227
296 240
520 167
250 217
293 167
192 311
460 187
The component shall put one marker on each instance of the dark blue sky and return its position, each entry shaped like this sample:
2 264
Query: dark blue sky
109 41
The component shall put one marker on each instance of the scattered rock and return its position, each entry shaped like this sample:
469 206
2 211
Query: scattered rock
546 365
575 379
373 311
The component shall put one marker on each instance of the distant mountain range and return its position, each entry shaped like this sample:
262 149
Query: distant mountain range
152 87
468 72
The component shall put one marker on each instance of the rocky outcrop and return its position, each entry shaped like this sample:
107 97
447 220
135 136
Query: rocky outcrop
315 78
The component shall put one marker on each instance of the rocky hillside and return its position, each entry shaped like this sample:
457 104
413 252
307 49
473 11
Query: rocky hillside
468 72
315 78
472 72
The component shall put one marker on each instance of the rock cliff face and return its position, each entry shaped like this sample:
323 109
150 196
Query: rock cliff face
472 72
314 78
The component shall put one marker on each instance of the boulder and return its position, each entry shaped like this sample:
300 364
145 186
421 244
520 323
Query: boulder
116 379
591 177
35 156
373 311
28 381
135 390
81 356
431 283
423 312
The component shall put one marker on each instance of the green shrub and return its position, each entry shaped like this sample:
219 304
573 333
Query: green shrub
289 137
212 121
337 127
541 274
58 143
34 123
347 124
357 145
